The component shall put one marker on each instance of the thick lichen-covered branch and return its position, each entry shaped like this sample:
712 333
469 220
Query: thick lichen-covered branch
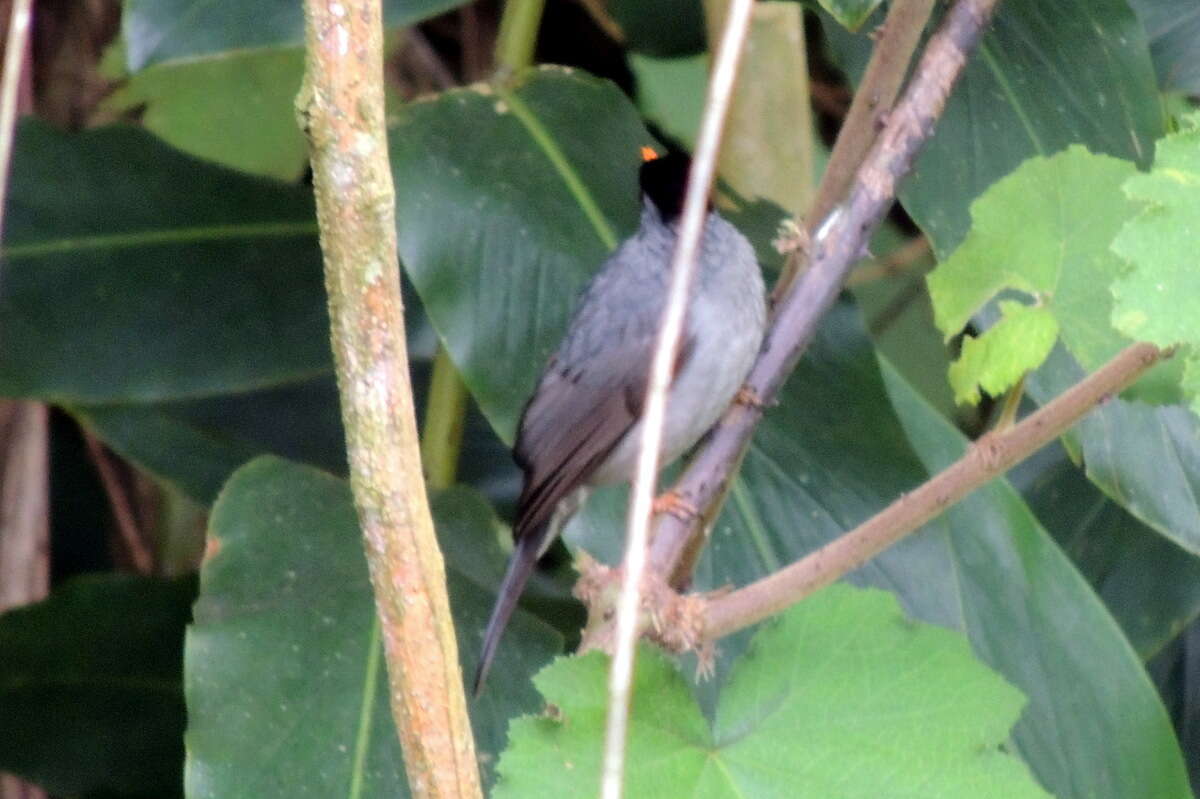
341 109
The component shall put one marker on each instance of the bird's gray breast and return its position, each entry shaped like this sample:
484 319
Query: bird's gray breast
724 325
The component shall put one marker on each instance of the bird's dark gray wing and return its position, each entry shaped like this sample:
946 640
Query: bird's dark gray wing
576 418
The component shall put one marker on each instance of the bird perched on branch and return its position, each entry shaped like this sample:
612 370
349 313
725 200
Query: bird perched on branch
582 425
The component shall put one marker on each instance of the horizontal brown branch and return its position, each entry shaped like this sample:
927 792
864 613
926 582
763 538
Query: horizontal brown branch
988 458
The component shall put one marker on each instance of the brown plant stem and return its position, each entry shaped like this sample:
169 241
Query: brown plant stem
895 43
834 246
129 529
987 458
340 107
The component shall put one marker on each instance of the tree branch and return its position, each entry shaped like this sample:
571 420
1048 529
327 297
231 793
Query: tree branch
987 458
341 110
837 242
895 44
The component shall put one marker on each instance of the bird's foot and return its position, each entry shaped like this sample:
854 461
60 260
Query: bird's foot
750 398
674 504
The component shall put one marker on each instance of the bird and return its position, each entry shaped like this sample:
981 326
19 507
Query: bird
581 427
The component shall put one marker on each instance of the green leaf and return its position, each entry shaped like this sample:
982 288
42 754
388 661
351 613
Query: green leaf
157 31
850 14
90 690
1038 83
862 702
285 682
1046 230
236 109
196 444
132 272
1149 584
1000 357
1155 300
1043 230
1004 561
525 190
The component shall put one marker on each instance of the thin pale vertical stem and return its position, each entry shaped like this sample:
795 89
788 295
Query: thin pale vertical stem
682 263
341 109
10 80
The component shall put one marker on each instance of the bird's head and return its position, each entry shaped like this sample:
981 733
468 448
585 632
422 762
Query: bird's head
663 180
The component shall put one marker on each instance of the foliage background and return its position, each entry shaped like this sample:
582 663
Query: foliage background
161 291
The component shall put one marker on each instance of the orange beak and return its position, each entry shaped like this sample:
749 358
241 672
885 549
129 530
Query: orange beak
648 154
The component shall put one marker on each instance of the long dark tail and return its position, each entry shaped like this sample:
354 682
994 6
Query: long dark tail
520 567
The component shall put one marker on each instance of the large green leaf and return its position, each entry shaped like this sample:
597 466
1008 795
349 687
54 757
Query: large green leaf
237 108
1044 77
286 689
196 444
506 197
1149 584
873 705
91 698
134 273
169 30
1019 592
1155 298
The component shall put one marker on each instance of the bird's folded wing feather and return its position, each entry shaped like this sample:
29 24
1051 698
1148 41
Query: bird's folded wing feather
575 420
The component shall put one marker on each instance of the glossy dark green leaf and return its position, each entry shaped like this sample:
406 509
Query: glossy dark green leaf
286 689
168 30
134 273
506 198
1176 671
91 693
1150 585
1011 572
1041 80
1173 27
196 444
